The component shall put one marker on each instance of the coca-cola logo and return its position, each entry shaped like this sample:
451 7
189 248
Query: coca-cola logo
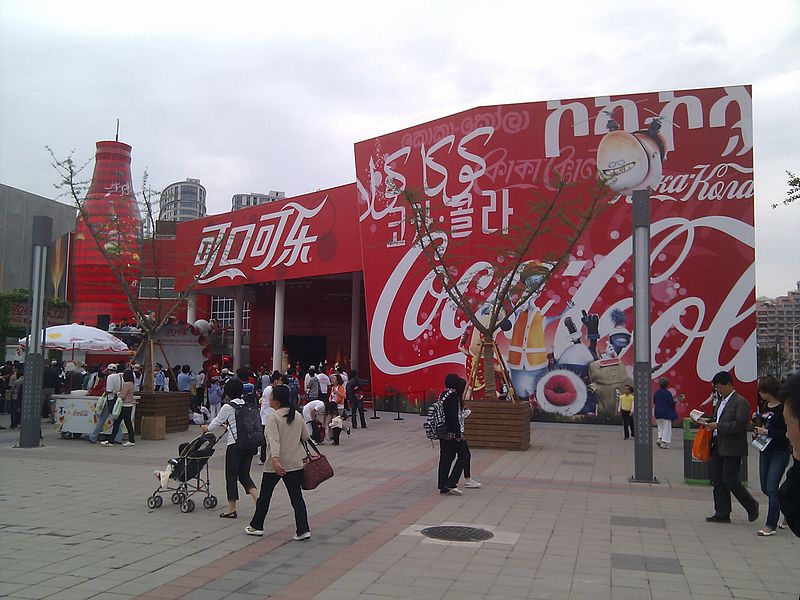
280 238
683 320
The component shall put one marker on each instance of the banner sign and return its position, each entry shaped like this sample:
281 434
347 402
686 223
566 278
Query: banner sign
570 347
19 315
305 236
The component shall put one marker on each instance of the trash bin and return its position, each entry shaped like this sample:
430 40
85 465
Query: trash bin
696 472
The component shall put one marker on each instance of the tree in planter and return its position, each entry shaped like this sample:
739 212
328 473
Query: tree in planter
107 237
519 260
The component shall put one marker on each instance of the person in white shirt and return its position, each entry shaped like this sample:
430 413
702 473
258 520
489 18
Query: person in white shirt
314 411
113 387
266 410
324 385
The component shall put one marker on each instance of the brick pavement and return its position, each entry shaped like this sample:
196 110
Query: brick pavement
567 524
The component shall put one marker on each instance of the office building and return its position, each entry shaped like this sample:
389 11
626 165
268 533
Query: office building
183 201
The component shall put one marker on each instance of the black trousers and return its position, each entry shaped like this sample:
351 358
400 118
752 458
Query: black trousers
449 450
726 481
292 481
358 405
627 422
125 415
237 468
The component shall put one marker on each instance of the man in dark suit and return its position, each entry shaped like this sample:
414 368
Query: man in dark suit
728 446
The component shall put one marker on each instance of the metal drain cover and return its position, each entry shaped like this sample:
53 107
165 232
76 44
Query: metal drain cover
457 533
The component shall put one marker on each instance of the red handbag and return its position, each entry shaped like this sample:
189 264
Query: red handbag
701 448
316 467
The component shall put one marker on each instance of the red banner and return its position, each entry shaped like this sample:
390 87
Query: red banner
479 169
305 236
19 315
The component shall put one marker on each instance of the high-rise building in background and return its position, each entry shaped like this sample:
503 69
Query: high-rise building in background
183 201
114 224
240 201
779 324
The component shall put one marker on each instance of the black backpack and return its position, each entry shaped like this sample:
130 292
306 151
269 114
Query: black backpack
249 430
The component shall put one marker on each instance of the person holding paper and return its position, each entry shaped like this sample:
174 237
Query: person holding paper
774 457
728 446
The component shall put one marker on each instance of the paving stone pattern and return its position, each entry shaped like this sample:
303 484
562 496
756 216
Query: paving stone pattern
74 525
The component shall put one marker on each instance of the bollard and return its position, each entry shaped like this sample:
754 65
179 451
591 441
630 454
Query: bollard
397 405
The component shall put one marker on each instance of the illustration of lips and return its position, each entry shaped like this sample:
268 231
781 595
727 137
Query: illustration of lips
561 391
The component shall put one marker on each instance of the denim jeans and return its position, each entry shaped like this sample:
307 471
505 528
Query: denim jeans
99 427
771 468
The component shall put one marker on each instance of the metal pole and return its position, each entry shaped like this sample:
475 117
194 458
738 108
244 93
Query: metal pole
30 432
397 405
642 372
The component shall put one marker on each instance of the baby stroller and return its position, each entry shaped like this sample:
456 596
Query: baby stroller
186 471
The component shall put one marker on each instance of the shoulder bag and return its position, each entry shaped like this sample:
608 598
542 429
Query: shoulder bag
316 467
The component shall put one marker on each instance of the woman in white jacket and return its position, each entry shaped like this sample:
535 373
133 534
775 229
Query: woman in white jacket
284 433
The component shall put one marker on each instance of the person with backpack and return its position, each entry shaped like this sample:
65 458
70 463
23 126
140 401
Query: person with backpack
285 432
355 397
293 383
450 440
242 422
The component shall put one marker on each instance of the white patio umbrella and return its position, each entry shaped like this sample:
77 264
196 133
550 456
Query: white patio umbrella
81 337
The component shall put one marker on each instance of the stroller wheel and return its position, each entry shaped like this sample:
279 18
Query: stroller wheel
187 506
213 501
151 502
176 498
159 501
209 502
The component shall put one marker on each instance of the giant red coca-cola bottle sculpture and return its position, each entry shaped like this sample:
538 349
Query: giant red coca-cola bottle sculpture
113 214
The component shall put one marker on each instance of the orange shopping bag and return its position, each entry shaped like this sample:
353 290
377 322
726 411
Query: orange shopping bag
701 449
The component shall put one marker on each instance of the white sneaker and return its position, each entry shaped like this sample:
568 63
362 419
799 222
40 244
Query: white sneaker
129 444
302 537
471 483
250 531
454 492
106 443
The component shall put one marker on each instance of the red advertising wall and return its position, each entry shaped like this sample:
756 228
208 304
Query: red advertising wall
309 235
478 170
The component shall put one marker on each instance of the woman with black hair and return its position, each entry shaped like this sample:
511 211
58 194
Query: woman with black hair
284 433
128 402
450 446
237 462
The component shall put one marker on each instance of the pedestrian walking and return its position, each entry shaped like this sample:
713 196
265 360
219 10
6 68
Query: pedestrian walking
626 410
728 446
284 431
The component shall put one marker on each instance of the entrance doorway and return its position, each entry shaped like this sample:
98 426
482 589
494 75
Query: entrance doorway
308 349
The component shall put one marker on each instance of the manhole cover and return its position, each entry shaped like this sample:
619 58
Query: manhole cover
453 533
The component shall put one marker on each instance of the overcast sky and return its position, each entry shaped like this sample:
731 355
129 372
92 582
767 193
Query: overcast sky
252 97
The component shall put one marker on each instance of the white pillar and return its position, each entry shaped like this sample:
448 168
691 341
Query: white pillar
355 320
191 308
238 309
277 327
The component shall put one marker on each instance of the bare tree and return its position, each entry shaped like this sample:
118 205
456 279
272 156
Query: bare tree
793 193
75 188
549 228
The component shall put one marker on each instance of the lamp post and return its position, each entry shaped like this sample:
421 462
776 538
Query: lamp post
32 397
642 368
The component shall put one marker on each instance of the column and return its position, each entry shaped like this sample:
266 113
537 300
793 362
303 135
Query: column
191 308
355 320
277 327
238 309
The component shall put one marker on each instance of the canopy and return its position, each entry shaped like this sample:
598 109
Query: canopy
81 337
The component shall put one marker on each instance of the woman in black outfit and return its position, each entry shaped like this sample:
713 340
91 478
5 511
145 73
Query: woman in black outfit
450 444
773 459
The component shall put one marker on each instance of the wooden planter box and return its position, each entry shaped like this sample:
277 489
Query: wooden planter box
172 405
499 425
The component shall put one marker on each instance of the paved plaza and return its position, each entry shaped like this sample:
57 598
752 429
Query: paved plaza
567 524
